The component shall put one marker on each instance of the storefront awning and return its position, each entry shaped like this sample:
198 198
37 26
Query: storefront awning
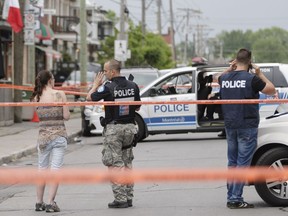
50 52
44 32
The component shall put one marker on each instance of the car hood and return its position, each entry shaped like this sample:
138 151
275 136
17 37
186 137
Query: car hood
273 129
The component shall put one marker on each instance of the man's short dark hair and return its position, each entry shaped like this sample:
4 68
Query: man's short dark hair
114 65
244 56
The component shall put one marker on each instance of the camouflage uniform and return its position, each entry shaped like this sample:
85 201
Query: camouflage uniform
115 158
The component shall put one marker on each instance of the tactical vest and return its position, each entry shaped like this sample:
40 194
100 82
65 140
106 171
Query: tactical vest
121 90
238 85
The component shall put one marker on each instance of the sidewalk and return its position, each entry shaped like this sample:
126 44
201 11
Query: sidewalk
19 139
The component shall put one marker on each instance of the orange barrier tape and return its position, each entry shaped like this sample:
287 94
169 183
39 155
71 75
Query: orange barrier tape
84 94
9 86
76 176
30 88
113 103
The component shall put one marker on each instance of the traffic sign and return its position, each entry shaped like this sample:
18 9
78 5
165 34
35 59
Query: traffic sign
29 37
29 20
120 50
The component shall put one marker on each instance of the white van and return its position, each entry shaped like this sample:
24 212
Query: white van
181 84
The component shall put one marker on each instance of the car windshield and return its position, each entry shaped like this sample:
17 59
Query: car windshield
142 79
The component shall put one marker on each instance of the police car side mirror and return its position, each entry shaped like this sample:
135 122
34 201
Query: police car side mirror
153 92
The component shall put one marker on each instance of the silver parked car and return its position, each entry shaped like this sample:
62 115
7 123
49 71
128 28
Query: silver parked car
272 152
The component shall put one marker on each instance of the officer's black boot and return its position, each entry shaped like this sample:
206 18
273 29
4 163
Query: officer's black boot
129 202
116 204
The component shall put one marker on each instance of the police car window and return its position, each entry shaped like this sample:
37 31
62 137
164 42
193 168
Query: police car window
177 84
279 78
144 79
164 87
274 75
184 84
268 72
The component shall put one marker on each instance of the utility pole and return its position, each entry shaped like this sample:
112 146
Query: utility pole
122 33
159 23
188 11
122 21
83 43
30 8
143 17
172 32
202 32
18 47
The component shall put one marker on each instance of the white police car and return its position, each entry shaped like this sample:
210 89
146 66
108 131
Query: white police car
182 84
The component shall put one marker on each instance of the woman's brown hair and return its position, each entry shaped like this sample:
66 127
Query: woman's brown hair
40 83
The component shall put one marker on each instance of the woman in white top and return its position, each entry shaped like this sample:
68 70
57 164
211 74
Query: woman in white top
52 138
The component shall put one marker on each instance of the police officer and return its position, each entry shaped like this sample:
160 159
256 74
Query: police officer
241 120
120 126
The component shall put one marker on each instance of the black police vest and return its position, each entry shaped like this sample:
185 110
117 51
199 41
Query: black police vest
238 85
122 90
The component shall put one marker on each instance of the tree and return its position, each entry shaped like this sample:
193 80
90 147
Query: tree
233 41
267 45
270 45
150 49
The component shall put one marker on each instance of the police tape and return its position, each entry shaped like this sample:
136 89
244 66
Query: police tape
69 90
80 175
117 103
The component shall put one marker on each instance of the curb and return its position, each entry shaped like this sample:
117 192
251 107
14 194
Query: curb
31 150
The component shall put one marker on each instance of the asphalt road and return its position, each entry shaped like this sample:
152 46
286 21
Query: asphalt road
152 198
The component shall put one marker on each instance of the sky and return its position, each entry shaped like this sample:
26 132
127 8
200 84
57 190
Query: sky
217 15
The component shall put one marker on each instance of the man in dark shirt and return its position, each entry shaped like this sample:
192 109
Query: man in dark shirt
120 126
241 120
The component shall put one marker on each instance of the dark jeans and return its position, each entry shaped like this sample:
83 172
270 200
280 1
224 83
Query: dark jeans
242 144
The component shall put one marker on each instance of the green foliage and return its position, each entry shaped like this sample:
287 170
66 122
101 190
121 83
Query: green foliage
149 49
106 50
111 15
267 45
233 41
271 45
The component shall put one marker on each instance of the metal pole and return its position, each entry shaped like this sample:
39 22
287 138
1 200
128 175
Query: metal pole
159 23
31 64
83 43
143 17
172 32
122 21
186 37
122 25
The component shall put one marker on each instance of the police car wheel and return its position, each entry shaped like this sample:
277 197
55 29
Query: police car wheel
271 191
141 128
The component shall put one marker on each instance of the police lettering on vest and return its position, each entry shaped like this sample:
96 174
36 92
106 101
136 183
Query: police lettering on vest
124 93
234 84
